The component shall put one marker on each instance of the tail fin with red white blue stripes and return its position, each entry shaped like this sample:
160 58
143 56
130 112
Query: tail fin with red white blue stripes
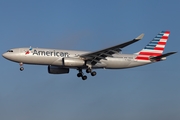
155 47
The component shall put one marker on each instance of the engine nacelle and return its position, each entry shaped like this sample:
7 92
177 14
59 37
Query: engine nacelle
57 70
73 62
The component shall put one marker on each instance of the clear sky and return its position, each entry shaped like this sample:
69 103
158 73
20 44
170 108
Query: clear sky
149 92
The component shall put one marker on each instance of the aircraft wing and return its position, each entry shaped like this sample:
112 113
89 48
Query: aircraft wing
95 57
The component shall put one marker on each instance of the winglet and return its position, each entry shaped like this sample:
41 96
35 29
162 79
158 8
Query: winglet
140 37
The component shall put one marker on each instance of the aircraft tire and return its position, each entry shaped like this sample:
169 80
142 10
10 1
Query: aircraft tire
93 73
88 70
79 75
21 68
84 77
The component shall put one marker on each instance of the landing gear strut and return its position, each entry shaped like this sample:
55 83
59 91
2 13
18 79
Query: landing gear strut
21 66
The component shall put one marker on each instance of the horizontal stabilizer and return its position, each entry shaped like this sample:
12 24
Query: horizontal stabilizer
162 56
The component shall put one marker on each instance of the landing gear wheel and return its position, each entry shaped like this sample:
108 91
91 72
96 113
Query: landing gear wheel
88 70
79 75
84 77
93 73
21 68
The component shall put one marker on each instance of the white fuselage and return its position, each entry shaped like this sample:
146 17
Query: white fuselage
41 56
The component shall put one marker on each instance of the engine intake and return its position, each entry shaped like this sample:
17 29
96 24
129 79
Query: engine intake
57 70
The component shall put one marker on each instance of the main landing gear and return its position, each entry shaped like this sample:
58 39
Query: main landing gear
81 74
90 71
21 66
84 77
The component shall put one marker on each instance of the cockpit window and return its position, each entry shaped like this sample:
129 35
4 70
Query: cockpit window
10 51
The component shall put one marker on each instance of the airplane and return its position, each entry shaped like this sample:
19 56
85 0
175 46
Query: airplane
61 61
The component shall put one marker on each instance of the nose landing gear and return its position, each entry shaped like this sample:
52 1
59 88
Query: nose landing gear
21 66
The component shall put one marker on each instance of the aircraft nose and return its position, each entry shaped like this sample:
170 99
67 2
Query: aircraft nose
10 56
5 55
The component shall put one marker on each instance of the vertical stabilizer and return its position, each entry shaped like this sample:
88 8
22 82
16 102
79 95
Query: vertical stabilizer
155 47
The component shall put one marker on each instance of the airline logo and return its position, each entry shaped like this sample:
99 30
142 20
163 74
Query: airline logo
28 51
155 47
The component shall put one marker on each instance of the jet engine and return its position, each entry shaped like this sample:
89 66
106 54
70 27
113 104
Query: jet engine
73 62
57 70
